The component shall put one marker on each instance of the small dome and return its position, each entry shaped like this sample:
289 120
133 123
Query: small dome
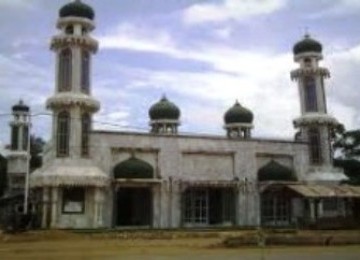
238 114
20 107
133 168
307 45
77 9
274 171
164 109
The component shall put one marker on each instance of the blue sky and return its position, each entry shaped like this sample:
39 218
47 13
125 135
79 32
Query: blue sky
202 54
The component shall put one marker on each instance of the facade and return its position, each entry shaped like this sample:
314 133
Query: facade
163 179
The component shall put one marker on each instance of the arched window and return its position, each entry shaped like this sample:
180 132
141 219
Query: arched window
69 29
14 137
65 70
85 130
315 146
25 138
63 134
85 71
310 94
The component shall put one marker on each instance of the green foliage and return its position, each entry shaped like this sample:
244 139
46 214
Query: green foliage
347 145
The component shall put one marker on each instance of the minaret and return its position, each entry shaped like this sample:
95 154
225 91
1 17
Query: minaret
238 122
164 117
72 103
18 156
315 124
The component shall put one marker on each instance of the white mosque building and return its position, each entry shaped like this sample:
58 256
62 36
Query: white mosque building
165 179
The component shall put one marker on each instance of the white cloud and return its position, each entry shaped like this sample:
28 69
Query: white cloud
230 10
17 3
338 8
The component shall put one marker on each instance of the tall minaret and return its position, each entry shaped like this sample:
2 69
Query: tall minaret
72 103
315 124
18 156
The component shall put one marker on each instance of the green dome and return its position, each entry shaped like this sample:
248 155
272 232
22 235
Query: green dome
274 171
20 107
238 114
133 168
77 9
307 45
164 109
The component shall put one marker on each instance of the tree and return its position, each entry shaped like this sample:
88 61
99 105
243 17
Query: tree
3 175
36 151
347 151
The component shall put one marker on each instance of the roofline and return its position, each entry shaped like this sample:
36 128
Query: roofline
196 136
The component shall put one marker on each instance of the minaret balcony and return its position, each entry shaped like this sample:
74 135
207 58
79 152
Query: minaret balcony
303 72
65 21
62 41
315 119
66 100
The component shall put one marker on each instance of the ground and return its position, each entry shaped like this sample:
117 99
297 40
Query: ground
66 246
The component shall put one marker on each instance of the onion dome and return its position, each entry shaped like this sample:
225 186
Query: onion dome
238 114
274 171
133 168
307 45
164 109
77 9
20 107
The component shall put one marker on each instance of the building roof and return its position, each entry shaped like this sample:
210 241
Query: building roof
322 191
77 9
238 114
164 109
307 44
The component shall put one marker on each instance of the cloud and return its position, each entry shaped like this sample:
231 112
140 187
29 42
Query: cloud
17 3
338 8
230 10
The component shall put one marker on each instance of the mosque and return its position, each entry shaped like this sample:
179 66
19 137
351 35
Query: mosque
165 179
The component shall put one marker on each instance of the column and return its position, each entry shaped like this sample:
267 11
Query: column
312 210
45 201
54 200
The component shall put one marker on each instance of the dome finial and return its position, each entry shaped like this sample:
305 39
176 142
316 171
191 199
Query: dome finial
307 34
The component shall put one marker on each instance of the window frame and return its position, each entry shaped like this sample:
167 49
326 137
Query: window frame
85 71
310 95
73 195
65 70
63 134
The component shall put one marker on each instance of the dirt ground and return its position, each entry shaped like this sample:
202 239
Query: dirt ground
66 247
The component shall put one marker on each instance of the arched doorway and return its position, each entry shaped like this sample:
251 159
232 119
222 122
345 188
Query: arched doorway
133 196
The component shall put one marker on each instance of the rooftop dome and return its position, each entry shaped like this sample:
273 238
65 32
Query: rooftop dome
164 109
133 168
307 45
77 9
238 114
20 107
274 171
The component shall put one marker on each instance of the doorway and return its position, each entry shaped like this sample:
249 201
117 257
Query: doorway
134 206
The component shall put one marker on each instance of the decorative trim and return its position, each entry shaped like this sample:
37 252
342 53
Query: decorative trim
61 100
61 41
315 118
301 72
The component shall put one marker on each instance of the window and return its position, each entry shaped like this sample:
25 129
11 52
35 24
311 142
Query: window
330 204
85 71
196 206
73 200
69 29
310 95
275 209
25 138
85 130
14 137
315 146
63 133
65 70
